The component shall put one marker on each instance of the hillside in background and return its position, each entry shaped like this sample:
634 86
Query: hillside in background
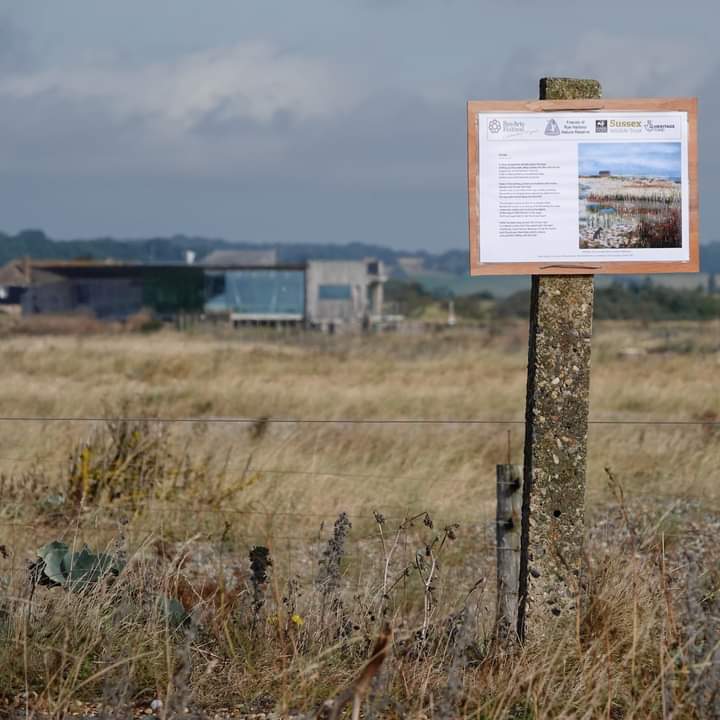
443 274
710 258
35 244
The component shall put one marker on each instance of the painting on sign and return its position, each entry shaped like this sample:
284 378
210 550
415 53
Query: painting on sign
630 195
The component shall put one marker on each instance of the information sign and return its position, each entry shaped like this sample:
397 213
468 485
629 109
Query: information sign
557 187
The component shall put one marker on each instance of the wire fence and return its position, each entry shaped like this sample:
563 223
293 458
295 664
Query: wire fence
708 427
338 421
480 523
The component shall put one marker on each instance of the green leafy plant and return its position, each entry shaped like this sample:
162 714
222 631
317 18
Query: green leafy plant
60 566
173 611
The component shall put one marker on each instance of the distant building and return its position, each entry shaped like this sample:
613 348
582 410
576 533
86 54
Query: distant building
411 263
257 295
14 282
240 258
328 294
108 291
344 294
604 173
332 295
16 278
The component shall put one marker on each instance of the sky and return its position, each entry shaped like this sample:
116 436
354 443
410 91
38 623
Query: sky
316 121
662 159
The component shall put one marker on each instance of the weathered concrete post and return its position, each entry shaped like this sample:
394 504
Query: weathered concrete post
556 429
378 299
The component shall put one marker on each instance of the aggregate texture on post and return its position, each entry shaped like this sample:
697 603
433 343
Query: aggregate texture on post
556 415
569 89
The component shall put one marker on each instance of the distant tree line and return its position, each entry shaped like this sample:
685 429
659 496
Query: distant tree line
643 301
36 244
620 301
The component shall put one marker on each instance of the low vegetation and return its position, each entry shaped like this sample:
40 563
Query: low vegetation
255 567
646 302
620 301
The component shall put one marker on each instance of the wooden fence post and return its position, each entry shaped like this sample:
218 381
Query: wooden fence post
507 522
556 417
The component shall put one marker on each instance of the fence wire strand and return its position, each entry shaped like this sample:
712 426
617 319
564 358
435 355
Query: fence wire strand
332 421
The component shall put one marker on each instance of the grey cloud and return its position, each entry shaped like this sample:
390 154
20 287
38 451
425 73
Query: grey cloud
392 138
219 122
54 135
709 155
625 64
385 137
14 47
390 169
250 80
374 164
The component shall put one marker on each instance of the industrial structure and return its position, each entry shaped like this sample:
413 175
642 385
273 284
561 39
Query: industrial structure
241 288
327 294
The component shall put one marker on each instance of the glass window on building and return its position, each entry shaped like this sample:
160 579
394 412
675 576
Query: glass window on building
215 292
266 292
82 294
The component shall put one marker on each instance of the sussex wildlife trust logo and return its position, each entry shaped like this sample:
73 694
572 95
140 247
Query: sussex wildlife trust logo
494 126
601 126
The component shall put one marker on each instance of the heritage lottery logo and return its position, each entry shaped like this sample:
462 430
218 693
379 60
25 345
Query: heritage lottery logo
655 127
601 126
494 126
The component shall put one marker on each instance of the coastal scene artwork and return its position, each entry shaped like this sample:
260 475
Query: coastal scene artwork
630 195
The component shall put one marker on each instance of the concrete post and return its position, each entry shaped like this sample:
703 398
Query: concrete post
509 495
556 429
377 299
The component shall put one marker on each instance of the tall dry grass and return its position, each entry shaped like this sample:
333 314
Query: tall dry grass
639 373
188 504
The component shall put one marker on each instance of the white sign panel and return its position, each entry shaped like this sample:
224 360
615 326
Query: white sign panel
583 187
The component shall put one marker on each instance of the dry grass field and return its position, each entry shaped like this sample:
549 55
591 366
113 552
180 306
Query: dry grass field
181 506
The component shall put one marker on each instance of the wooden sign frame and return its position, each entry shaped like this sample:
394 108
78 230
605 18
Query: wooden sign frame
635 267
